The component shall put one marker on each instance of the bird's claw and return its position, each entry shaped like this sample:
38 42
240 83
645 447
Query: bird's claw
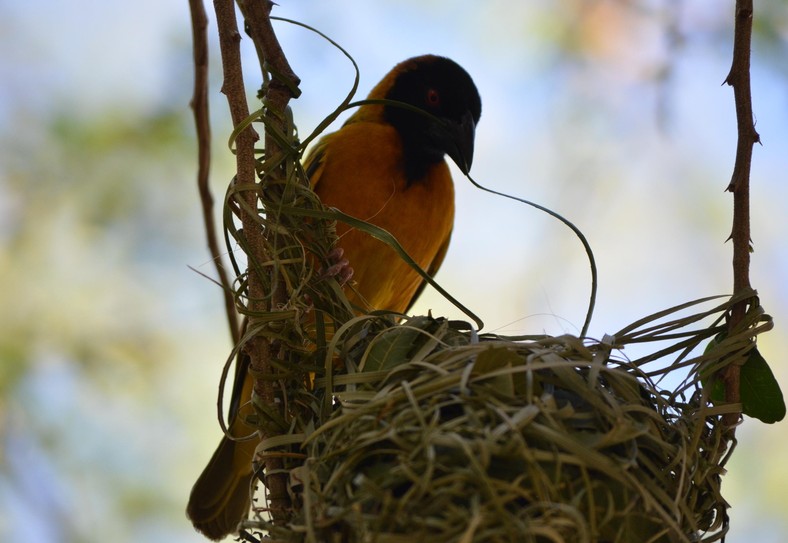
340 269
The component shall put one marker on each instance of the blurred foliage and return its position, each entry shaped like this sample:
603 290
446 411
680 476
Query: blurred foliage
95 210
89 210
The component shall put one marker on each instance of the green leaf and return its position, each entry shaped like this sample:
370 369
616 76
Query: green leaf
496 358
761 396
713 383
396 345
759 392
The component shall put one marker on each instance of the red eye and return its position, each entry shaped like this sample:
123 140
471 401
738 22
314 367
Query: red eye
433 98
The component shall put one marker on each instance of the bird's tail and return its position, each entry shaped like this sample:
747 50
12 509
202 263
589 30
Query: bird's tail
220 498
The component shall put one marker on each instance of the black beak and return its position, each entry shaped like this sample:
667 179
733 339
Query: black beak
458 141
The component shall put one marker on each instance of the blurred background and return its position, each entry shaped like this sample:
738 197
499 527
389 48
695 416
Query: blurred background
610 112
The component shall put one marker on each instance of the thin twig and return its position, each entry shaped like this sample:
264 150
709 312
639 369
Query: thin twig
199 105
257 348
739 79
278 92
260 350
284 86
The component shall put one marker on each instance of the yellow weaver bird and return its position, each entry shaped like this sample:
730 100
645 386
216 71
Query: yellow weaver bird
385 165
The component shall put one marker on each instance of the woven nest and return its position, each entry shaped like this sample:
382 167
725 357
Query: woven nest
439 435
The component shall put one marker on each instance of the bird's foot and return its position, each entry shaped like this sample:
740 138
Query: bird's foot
340 268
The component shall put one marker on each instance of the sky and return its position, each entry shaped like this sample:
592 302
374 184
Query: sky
589 108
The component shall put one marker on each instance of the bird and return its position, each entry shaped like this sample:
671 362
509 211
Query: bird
386 165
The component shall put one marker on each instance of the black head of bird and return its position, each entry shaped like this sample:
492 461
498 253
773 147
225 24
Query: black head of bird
444 90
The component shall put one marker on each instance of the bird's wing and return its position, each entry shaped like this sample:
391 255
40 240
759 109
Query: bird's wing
315 160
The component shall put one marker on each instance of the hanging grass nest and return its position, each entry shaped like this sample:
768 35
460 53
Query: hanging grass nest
439 435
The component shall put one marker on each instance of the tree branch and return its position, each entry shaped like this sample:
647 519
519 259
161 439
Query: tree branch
278 92
199 105
739 79
259 242
258 348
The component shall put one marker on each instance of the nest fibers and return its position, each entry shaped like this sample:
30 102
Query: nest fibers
437 435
